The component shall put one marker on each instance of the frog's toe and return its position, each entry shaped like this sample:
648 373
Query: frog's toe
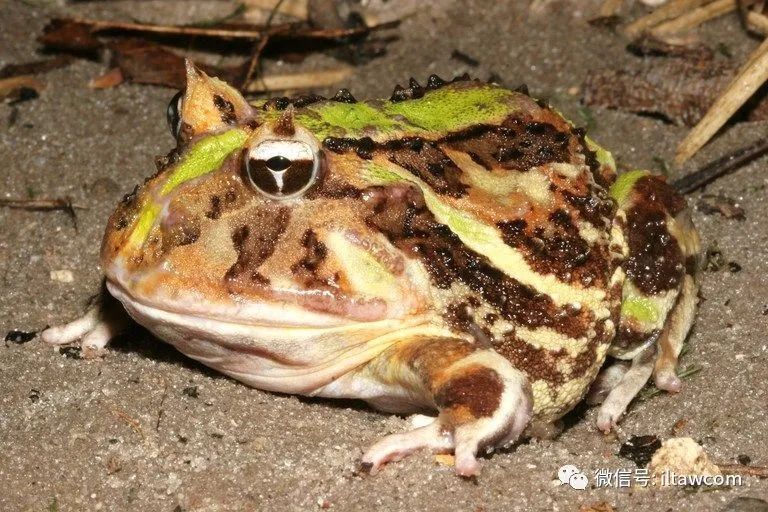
667 380
398 446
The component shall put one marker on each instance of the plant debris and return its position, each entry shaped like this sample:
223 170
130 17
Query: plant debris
678 89
191 392
64 204
715 203
70 352
146 56
713 259
20 88
462 57
721 166
19 337
640 449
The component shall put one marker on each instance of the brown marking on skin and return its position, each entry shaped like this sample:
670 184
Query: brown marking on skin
226 109
183 232
558 249
537 363
519 143
594 207
603 175
284 125
431 165
256 241
307 269
215 211
402 217
474 393
656 262
655 189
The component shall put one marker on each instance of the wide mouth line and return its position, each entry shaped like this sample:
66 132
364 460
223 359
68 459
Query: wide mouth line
120 292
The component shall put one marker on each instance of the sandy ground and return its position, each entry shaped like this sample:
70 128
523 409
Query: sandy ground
146 429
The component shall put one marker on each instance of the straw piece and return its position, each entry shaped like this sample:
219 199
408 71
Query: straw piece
757 22
663 13
751 76
696 17
311 80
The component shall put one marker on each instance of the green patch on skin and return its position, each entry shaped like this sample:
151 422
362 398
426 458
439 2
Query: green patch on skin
621 189
147 215
451 108
337 119
205 156
640 308
440 111
379 175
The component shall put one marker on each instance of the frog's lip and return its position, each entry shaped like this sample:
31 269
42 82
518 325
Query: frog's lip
267 314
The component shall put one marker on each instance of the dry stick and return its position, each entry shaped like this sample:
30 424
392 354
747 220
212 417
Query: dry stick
670 10
757 22
696 17
721 166
42 204
299 80
258 48
751 76
738 469
225 33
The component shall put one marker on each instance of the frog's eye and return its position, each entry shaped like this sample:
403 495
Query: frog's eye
282 169
174 113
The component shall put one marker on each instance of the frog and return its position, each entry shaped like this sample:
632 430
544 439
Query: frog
460 249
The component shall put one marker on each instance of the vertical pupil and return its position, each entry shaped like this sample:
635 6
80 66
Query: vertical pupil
278 163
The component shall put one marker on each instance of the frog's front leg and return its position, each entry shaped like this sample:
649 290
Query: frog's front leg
482 400
104 319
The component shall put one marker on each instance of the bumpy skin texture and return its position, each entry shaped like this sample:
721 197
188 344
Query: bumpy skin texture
460 247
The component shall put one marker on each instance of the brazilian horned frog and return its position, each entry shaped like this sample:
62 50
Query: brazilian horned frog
458 248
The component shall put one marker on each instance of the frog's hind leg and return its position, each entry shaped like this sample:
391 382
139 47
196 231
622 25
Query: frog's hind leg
658 296
483 401
671 340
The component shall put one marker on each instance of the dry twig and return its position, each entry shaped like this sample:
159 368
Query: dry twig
663 13
314 79
695 17
721 166
738 469
750 77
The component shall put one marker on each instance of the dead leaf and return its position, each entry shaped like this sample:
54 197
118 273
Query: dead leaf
111 78
20 88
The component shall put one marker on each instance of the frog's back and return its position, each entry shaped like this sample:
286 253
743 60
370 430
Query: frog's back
507 209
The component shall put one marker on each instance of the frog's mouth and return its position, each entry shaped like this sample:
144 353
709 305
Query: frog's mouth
290 354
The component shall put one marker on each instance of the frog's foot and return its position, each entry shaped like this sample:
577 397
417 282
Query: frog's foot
671 340
103 320
628 386
608 378
483 401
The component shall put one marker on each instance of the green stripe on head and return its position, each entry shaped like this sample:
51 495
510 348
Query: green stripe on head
206 155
